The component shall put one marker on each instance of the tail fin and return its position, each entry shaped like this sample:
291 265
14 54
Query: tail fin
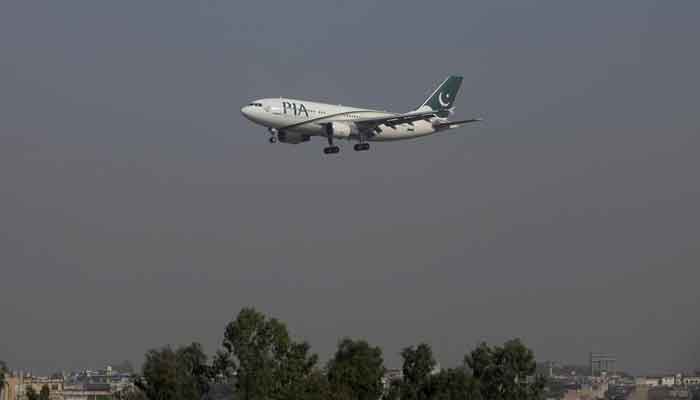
445 95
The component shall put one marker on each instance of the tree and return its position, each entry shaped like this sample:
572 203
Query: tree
356 371
174 374
223 368
192 371
133 394
418 363
31 394
44 393
454 384
269 364
506 372
3 371
421 383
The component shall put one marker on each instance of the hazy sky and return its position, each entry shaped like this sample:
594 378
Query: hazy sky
139 208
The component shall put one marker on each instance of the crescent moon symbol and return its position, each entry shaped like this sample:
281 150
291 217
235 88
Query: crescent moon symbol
443 102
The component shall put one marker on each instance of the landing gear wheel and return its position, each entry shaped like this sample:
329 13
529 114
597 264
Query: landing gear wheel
273 139
331 150
361 147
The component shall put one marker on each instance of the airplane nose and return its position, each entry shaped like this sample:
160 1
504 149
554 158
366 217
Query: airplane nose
245 111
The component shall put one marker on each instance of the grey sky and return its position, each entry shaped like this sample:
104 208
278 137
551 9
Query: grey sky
138 207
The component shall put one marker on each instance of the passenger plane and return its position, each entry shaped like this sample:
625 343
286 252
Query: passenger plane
296 121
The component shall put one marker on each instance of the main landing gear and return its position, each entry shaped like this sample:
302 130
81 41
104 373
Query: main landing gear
361 147
331 149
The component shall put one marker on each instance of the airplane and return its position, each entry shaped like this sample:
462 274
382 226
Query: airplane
296 121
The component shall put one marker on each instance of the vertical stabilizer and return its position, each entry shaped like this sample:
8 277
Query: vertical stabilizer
443 98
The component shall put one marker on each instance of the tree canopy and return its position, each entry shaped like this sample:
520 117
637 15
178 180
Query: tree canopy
418 363
260 361
356 371
506 372
174 374
44 394
422 382
454 384
3 371
31 393
267 362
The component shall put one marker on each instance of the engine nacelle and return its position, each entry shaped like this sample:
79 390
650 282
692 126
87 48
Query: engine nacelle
292 137
341 130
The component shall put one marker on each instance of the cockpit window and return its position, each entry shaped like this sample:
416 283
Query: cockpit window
255 104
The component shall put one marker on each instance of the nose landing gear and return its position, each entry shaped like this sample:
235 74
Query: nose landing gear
273 135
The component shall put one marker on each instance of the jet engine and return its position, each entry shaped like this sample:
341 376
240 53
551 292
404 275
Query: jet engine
341 130
292 137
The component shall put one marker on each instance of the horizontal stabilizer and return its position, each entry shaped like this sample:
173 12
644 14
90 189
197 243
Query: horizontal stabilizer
454 124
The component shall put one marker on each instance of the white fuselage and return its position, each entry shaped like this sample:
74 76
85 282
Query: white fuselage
303 119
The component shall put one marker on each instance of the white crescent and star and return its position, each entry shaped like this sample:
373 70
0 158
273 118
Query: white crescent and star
443 102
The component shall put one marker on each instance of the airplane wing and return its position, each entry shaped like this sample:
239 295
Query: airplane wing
393 120
369 124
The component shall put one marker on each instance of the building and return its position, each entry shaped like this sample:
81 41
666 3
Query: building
691 380
663 393
88 392
652 381
9 392
668 381
602 364
17 386
82 383
55 386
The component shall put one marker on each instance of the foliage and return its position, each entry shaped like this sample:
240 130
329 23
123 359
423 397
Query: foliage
44 393
174 374
418 363
223 368
31 394
421 383
356 371
133 394
259 361
192 370
269 364
506 372
3 371
454 384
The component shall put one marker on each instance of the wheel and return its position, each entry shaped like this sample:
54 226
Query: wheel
331 150
273 139
361 147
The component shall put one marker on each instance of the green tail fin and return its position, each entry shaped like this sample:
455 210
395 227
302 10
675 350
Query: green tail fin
444 96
